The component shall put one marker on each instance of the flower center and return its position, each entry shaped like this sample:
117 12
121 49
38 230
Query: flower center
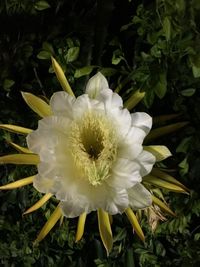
93 144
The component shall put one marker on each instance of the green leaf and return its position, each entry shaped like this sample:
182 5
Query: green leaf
184 145
72 54
48 47
44 55
7 84
167 28
188 92
161 86
184 165
41 5
83 71
117 57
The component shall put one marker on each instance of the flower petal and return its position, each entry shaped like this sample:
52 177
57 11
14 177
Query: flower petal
56 215
15 129
160 152
142 120
125 174
146 161
27 159
139 197
95 84
61 77
133 220
37 104
62 104
38 204
81 226
105 230
134 99
17 184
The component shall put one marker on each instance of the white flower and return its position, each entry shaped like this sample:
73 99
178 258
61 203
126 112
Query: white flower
91 153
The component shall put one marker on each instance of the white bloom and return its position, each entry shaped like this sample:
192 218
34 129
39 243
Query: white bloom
91 153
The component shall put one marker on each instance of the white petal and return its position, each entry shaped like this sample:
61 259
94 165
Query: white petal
62 104
139 197
95 84
146 161
129 151
111 100
44 185
47 137
142 120
117 202
84 104
73 208
125 174
122 121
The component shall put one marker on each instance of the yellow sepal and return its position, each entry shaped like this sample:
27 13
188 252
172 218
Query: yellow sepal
19 148
105 230
161 131
15 129
162 205
17 184
81 226
49 224
134 222
38 105
27 159
150 179
39 203
160 152
61 77
134 99
165 176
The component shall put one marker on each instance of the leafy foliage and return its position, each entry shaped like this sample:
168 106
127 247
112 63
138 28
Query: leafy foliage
147 45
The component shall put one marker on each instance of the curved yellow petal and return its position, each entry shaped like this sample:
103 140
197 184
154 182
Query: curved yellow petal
160 152
165 176
39 203
136 226
134 99
49 224
17 184
105 230
19 148
27 159
61 77
37 104
15 129
161 131
150 179
162 205
81 226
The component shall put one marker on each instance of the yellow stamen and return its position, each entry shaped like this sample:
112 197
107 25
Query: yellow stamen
93 144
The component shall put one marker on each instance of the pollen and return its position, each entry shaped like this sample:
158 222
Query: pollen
93 146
